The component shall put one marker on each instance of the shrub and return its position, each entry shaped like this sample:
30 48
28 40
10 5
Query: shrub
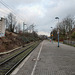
73 35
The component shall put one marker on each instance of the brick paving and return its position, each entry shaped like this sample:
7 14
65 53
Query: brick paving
52 60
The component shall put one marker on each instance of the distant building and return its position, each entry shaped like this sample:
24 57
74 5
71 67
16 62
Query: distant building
2 27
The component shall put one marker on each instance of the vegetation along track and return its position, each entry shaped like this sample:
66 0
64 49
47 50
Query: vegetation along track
8 65
7 56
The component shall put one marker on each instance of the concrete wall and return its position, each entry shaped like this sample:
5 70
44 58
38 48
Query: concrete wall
2 27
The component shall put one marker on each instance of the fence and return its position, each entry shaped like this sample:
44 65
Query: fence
69 42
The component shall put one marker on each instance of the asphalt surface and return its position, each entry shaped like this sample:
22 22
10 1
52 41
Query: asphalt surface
48 59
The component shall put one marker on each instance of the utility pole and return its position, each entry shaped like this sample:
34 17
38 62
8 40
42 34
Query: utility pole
52 34
31 28
23 26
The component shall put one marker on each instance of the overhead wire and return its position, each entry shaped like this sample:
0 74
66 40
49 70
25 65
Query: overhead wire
3 3
12 9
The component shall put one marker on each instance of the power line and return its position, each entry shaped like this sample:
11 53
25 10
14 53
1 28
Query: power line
3 3
10 7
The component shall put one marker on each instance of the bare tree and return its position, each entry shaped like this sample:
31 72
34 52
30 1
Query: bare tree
31 28
11 19
18 28
65 28
68 22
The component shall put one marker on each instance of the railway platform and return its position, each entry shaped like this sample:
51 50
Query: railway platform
48 59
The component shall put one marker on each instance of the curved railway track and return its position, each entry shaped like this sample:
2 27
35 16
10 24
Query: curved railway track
9 64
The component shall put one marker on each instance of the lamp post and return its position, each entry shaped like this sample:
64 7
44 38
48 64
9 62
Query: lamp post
58 29
52 35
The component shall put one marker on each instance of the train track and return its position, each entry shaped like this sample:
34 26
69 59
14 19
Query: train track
7 56
9 64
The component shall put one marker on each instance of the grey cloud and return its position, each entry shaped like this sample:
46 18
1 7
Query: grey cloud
49 8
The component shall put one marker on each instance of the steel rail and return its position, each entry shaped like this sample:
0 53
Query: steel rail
4 63
14 56
19 62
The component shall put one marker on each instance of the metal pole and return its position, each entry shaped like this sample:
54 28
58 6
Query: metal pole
58 33
23 27
52 36
58 30
58 37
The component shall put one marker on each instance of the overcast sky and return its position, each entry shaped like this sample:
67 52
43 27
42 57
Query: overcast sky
40 12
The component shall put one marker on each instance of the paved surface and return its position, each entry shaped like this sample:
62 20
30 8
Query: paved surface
48 59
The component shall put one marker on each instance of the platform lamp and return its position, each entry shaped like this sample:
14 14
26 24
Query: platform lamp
58 29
